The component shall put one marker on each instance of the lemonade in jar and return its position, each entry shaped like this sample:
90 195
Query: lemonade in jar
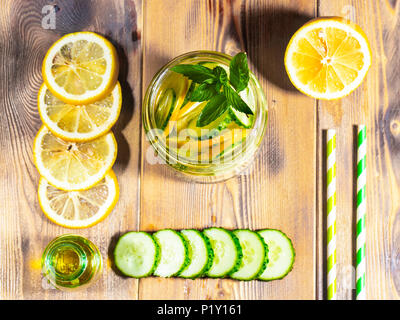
205 114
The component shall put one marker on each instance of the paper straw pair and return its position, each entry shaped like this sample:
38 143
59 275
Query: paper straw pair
331 214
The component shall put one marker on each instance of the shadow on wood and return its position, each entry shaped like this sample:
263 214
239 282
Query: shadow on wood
272 149
391 127
268 48
127 110
110 254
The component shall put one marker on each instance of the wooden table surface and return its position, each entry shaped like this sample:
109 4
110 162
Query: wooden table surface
282 189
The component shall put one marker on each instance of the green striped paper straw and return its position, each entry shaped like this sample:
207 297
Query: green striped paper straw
361 212
331 214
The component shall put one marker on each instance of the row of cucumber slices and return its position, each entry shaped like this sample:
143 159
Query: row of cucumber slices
241 254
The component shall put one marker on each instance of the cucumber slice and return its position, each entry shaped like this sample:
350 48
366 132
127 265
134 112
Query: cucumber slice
211 130
281 254
233 137
136 254
227 252
165 108
174 253
254 259
242 119
187 114
229 148
200 253
208 64
188 94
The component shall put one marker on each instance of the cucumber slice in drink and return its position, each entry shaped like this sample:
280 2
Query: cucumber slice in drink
136 254
165 108
254 259
211 130
200 253
188 94
187 114
242 119
226 150
174 253
281 254
233 138
208 64
227 252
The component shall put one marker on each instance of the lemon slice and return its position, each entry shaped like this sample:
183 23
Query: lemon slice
72 166
79 122
79 209
81 68
328 58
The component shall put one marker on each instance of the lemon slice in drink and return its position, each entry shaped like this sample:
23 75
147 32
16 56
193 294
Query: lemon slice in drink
73 166
79 122
79 209
328 58
81 68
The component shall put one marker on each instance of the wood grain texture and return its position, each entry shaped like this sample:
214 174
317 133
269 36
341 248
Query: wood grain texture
23 228
282 189
375 104
264 196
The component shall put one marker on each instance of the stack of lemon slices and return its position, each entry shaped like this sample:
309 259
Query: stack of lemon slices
74 151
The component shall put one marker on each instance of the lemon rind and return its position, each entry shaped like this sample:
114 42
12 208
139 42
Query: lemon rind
80 224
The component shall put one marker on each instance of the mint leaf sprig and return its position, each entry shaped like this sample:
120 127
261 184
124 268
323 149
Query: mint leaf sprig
215 87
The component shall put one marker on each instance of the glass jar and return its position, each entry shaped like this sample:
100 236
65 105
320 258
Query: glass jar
215 159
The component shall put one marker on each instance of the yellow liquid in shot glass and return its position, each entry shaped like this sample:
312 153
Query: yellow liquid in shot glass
66 261
70 262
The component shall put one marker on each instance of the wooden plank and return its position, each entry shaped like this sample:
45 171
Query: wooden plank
23 228
279 189
375 104
282 177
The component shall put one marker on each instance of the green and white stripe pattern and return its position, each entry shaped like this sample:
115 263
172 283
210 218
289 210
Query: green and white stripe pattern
331 214
361 212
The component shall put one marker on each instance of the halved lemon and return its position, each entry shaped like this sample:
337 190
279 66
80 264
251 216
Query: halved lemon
73 166
79 122
328 58
79 209
81 68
